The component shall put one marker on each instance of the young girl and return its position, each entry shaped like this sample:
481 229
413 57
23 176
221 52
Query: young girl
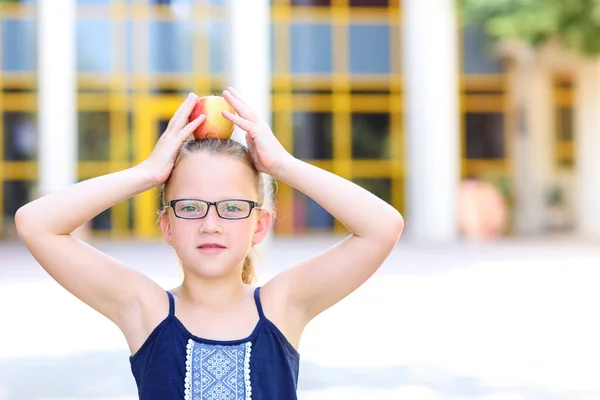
215 336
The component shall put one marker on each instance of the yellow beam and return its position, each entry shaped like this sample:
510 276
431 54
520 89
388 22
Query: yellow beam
20 101
17 10
20 170
283 119
143 132
484 103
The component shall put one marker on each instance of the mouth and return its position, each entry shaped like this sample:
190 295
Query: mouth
210 247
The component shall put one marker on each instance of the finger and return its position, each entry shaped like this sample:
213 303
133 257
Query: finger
191 127
239 121
190 98
237 95
179 119
240 107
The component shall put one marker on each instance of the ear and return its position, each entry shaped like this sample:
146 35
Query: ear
263 226
165 227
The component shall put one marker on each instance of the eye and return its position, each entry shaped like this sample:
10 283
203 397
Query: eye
189 208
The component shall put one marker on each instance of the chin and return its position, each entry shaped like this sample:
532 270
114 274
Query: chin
212 270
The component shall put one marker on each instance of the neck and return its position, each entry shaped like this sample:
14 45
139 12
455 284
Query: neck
213 293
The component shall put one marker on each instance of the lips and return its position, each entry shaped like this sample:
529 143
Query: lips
211 246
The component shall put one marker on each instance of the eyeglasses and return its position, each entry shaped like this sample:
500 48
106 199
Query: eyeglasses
226 209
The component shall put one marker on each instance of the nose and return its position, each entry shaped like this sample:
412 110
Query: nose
211 223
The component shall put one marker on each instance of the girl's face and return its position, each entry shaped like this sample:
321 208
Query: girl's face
213 247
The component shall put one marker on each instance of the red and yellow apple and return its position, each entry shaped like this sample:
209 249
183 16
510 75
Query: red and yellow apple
215 126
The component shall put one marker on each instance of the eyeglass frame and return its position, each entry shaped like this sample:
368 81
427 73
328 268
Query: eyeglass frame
253 205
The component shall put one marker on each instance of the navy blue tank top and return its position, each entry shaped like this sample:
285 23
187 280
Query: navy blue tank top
174 364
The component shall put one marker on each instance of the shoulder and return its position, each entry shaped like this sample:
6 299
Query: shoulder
153 307
276 306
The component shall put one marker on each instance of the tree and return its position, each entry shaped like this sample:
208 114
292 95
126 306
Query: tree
575 22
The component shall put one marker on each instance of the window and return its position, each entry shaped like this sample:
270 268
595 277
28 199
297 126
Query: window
485 135
171 47
477 57
370 49
370 136
20 136
94 141
311 48
313 138
19 45
93 46
369 3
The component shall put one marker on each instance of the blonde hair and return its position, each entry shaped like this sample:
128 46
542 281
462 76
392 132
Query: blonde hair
265 185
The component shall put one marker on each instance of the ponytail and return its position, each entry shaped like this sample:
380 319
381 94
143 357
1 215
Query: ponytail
248 271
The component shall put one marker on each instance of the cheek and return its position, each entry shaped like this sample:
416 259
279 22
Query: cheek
182 232
242 230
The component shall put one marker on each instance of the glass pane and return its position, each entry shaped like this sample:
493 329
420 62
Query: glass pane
19 45
308 214
477 56
102 221
485 135
93 46
564 137
369 49
369 3
16 194
129 46
565 123
380 187
311 48
161 127
94 142
171 47
20 136
370 136
311 2
216 36
313 138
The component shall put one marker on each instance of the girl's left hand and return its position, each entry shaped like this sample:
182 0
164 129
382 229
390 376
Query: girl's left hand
267 153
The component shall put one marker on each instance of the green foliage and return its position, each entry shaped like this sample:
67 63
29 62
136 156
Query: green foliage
576 22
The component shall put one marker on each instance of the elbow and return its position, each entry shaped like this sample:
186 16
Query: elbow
390 231
23 222
396 226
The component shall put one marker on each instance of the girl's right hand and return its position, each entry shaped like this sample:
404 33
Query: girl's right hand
160 163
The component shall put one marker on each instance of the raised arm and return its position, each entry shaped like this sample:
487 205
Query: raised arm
45 226
321 281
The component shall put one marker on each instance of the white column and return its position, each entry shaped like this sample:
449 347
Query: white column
534 152
56 94
249 60
432 94
587 146
250 54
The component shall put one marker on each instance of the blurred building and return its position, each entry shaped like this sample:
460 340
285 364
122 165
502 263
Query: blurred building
337 98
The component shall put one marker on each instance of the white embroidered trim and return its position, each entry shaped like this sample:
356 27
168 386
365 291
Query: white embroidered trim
247 371
188 370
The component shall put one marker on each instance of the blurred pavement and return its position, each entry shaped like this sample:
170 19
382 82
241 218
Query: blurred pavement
512 320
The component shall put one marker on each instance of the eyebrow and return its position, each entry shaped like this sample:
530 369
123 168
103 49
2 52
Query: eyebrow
238 196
